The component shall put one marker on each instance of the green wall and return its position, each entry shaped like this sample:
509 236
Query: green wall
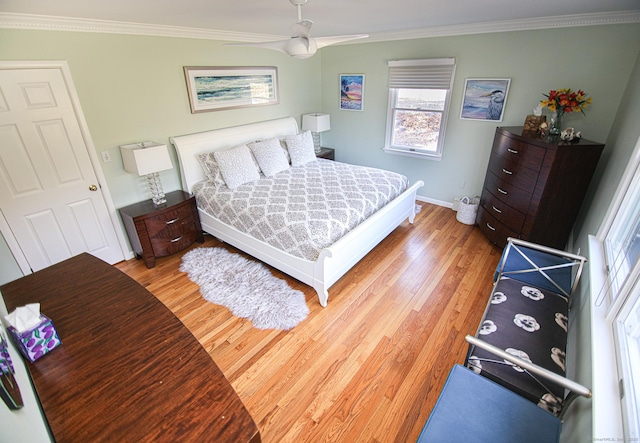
597 60
132 88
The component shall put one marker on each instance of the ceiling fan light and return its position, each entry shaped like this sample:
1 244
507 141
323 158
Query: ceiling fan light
301 47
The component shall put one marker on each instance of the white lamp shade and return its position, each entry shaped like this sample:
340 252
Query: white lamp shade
145 158
316 122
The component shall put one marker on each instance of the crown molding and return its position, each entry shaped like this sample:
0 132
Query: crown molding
565 21
70 24
51 23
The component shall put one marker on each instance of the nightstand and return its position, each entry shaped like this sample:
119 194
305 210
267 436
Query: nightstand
158 231
328 153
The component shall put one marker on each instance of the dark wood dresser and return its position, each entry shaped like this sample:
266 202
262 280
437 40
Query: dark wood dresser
127 370
534 186
158 231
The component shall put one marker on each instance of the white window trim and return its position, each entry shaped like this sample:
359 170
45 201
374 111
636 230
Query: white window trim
606 408
389 148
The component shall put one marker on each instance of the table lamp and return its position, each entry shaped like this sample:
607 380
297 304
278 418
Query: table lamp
316 123
148 158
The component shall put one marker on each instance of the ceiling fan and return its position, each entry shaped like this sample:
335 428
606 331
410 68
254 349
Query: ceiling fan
301 44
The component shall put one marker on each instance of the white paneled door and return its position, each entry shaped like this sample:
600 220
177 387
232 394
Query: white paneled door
50 196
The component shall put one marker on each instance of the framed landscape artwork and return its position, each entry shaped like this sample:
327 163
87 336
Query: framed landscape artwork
351 92
225 87
484 99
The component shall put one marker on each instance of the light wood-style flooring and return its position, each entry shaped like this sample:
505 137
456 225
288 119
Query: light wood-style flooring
369 366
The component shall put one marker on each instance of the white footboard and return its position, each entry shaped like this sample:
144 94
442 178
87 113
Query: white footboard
332 262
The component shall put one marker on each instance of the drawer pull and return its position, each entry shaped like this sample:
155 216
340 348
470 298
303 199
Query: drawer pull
176 239
506 171
497 210
502 191
173 221
490 227
513 151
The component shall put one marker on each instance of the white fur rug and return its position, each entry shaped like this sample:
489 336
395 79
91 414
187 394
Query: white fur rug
247 288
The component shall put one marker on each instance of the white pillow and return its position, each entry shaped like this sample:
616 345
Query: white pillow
237 166
301 148
270 156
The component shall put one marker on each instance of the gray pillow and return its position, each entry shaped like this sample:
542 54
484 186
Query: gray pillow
237 166
270 156
301 148
211 168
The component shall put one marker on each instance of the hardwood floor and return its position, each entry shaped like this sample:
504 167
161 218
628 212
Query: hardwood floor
368 367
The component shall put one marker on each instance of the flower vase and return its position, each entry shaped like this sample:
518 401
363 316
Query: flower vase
555 124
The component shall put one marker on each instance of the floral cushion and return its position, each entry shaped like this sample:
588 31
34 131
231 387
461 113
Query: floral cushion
530 323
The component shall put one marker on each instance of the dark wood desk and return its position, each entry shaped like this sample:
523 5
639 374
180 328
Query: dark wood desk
127 370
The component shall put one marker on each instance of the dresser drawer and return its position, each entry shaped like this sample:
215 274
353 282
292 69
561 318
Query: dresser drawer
512 172
496 232
502 212
526 155
507 193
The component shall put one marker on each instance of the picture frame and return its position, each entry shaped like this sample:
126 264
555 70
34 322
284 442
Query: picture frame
484 99
214 88
351 92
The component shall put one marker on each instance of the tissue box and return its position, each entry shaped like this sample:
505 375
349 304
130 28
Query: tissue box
37 341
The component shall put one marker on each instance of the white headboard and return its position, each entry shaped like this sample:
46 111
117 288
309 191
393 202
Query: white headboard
189 146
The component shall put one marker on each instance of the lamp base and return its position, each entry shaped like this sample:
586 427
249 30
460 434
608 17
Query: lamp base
155 188
316 142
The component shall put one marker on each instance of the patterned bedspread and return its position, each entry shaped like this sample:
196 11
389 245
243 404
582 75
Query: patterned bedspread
306 208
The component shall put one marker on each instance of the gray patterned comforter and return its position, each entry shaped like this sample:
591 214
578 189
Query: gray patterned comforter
305 208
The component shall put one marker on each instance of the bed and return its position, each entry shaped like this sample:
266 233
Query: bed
332 261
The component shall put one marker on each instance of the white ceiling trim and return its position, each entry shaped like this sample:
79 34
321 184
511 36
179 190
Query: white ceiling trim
566 21
51 23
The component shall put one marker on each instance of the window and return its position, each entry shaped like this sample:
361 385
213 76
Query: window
620 297
419 96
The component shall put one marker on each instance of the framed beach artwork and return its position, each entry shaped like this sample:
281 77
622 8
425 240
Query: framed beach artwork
227 87
351 92
484 98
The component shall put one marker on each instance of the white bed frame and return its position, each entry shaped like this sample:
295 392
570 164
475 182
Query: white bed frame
333 262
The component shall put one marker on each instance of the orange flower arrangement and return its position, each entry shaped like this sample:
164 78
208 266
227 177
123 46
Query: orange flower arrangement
566 100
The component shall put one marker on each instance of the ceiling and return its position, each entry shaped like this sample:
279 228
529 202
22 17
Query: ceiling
259 18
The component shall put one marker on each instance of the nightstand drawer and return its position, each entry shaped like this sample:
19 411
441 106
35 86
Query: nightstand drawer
157 231
170 223
170 245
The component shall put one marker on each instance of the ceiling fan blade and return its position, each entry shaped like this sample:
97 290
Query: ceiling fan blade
326 41
302 28
279 45
298 47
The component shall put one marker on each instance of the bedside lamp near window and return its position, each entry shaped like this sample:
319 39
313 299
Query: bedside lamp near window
148 158
316 123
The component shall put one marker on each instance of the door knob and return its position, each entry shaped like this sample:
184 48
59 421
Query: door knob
93 188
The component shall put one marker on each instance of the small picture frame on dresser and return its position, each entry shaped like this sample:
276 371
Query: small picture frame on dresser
533 122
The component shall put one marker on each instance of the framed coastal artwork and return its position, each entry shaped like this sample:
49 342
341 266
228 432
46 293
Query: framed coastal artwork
484 98
351 92
227 87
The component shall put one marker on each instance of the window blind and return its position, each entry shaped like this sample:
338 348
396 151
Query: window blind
432 73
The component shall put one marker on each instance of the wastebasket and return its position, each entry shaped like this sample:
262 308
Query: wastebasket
467 210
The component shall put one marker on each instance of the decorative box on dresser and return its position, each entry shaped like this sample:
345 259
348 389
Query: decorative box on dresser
158 231
534 186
